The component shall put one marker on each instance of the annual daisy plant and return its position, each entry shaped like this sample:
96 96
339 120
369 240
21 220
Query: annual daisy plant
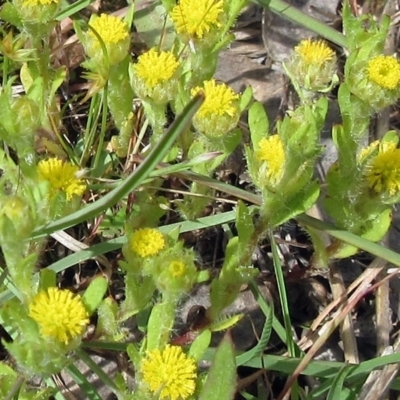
169 373
60 315
110 31
312 68
62 178
37 11
155 129
219 113
198 19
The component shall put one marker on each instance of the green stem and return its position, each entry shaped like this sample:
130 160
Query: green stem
159 151
103 128
280 280
293 14
93 117
16 388
110 384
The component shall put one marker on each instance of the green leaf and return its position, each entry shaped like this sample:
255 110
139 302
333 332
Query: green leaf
9 13
138 293
160 325
231 141
94 294
244 223
259 348
47 279
200 345
134 355
107 326
73 9
258 123
337 385
221 379
245 98
149 17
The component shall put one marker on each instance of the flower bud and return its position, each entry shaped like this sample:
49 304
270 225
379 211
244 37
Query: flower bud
312 67
176 273
376 81
113 32
16 221
199 20
37 11
219 113
155 76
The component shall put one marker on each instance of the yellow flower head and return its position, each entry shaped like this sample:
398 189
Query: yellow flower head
271 151
373 147
155 67
60 314
384 71
220 110
177 268
37 11
62 177
314 52
220 99
170 373
147 242
383 174
111 29
114 34
195 18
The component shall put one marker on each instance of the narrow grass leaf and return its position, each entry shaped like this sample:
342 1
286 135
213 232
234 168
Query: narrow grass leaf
97 370
73 9
337 389
87 389
266 309
280 280
350 238
259 348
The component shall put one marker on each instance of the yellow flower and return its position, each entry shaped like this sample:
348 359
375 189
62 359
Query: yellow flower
383 174
111 29
38 2
197 17
376 145
220 99
272 152
367 151
60 314
114 34
147 242
62 177
384 71
170 373
37 11
315 52
220 110
155 67
312 68
177 268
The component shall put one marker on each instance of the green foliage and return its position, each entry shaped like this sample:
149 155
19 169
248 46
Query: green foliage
94 294
135 164
258 123
221 380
